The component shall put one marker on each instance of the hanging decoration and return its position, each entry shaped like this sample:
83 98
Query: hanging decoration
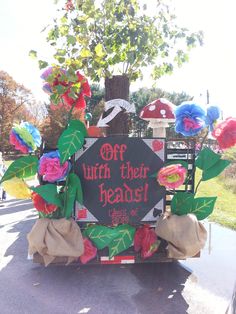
25 137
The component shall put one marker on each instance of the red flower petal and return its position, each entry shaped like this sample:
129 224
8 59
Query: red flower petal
90 251
145 239
41 205
85 85
80 102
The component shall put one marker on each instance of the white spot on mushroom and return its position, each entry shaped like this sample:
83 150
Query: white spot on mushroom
141 113
151 108
163 112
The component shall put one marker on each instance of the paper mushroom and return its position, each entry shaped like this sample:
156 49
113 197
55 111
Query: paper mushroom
159 113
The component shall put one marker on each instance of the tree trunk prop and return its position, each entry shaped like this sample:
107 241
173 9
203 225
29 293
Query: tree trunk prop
117 87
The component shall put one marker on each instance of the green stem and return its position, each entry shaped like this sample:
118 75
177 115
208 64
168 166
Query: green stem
197 186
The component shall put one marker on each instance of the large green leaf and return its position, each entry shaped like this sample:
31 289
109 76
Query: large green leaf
182 203
79 126
74 181
123 240
70 142
23 167
203 207
101 236
206 159
215 170
49 193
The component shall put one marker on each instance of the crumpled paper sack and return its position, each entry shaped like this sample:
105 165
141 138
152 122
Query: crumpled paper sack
185 235
56 237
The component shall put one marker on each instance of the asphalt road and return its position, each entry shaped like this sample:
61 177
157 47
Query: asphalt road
202 285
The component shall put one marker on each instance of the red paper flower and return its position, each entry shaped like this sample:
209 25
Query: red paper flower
90 252
84 91
145 239
41 205
225 133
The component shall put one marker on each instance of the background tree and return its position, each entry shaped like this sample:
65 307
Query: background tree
118 37
15 101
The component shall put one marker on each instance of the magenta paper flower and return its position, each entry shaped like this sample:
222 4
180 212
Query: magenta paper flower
50 167
172 176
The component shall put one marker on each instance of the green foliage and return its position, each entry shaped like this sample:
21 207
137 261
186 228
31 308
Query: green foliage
117 239
96 37
79 126
74 181
124 239
23 167
210 163
184 203
101 236
70 141
68 197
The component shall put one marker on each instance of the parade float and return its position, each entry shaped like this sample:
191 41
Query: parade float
114 199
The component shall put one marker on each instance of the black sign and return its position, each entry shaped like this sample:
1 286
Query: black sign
115 174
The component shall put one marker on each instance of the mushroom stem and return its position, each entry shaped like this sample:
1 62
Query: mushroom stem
159 132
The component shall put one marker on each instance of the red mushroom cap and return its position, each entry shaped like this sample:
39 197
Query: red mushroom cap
159 109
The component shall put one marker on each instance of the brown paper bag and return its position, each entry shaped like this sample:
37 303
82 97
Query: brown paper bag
185 234
56 237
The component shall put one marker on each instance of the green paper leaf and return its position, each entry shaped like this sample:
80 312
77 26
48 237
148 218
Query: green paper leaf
23 167
203 207
70 142
215 170
101 236
206 159
123 241
79 126
49 193
74 181
182 203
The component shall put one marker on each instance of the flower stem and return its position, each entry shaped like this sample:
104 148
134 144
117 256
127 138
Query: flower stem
197 186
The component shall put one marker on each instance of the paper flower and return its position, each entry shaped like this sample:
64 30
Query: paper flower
145 239
172 176
90 251
25 137
41 205
84 91
225 133
50 167
17 188
190 119
213 113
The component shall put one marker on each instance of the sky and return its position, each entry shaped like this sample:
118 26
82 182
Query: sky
211 67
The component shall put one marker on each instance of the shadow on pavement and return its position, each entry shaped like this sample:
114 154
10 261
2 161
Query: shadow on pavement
95 289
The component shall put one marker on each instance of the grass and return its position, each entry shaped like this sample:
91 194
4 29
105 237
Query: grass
225 208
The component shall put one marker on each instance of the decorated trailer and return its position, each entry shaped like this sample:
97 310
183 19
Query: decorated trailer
117 199
122 200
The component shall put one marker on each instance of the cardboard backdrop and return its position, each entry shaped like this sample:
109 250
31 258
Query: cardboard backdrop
115 174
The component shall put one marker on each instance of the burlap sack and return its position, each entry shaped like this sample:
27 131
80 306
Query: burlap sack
56 237
185 234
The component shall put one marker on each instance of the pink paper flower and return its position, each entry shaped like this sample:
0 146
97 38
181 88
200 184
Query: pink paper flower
172 176
90 252
50 167
225 133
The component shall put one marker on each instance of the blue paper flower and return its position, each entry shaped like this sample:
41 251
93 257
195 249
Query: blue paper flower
213 113
34 132
190 119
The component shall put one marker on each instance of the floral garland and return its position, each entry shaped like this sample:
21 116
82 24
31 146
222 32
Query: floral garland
54 200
